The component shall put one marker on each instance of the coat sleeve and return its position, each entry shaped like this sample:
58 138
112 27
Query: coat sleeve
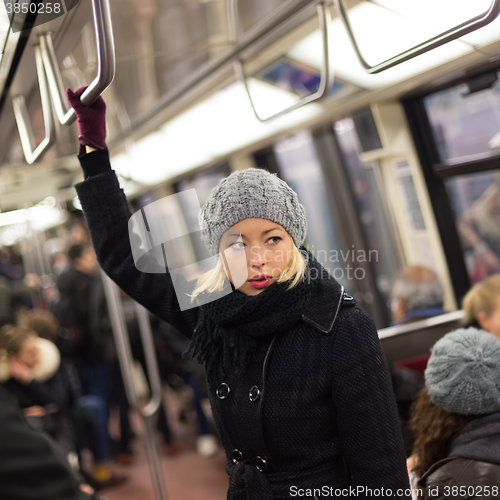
367 417
29 467
107 212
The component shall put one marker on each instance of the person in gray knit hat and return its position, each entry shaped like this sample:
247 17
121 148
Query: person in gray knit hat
456 417
298 383
463 372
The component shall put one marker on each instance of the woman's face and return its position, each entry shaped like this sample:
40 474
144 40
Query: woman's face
29 354
252 248
491 323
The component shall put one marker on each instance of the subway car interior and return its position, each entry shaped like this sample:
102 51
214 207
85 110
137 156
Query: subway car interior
383 116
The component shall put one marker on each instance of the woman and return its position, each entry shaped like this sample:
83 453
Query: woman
481 305
299 387
456 418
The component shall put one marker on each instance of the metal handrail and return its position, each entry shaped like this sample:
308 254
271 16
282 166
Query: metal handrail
447 36
22 118
151 362
124 351
416 326
326 68
106 64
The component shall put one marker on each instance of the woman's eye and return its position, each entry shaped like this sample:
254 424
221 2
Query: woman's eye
275 238
234 245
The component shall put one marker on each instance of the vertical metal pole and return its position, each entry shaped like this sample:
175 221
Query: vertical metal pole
29 263
125 357
150 411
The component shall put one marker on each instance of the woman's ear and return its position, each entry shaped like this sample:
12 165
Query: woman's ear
483 321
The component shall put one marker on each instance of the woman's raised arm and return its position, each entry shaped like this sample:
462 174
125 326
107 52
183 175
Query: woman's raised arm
107 212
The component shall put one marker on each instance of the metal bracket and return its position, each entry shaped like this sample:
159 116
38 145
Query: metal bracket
326 68
106 64
445 37
22 118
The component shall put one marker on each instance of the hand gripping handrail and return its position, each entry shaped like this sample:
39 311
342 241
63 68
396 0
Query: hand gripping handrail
326 69
106 64
22 118
445 37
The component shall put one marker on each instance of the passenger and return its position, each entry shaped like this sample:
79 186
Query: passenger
88 413
14 292
119 397
93 350
456 418
171 362
417 294
30 467
31 375
481 305
298 383
83 306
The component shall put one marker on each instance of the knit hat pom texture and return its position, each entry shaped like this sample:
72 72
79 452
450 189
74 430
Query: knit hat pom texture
463 372
251 193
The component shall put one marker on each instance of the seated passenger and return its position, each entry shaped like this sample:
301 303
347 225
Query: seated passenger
88 413
417 294
31 374
481 305
456 418
30 468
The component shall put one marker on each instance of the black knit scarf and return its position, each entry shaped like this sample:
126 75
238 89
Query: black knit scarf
227 329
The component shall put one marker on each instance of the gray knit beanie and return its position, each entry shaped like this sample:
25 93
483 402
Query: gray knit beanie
251 193
463 372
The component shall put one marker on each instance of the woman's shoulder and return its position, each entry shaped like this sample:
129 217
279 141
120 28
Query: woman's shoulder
458 471
327 304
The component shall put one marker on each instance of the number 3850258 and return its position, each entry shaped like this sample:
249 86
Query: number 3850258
38 8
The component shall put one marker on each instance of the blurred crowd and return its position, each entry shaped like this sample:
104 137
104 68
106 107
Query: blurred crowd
59 367
60 378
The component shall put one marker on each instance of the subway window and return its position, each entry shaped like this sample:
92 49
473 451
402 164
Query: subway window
465 119
373 213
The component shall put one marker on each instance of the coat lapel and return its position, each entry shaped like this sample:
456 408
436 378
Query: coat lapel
325 304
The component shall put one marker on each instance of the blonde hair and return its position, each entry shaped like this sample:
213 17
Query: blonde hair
13 337
214 280
482 297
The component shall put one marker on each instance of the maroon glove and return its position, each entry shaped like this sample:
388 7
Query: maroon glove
91 119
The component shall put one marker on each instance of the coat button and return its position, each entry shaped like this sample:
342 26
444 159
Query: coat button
223 391
254 393
261 463
237 456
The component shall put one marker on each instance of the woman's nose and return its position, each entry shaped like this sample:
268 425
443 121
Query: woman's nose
257 256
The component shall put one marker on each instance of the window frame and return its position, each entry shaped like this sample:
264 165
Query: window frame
436 171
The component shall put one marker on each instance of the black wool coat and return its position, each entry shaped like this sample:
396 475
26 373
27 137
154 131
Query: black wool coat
325 418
